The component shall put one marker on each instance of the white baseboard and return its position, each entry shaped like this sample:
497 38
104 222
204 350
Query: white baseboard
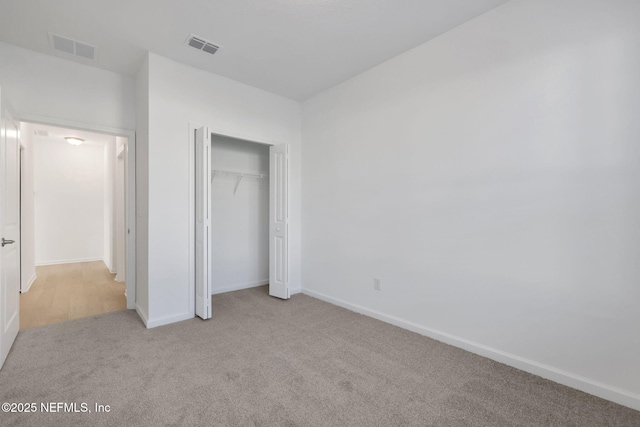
143 315
109 266
30 282
295 291
68 261
240 286
560 376
154 323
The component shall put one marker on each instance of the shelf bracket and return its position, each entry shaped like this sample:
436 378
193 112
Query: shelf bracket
238 179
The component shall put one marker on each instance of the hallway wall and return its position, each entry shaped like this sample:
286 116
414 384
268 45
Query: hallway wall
27 230
68 201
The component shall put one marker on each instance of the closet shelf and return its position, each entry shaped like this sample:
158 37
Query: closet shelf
238 175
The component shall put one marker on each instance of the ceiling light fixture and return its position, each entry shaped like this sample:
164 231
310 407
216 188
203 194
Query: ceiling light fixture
73 140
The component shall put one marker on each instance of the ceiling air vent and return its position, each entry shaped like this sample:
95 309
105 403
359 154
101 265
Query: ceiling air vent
73 47
40 132
202 44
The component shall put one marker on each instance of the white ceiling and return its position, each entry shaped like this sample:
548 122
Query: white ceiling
295 48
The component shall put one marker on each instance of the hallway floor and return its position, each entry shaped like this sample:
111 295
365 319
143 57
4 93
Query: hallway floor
70 291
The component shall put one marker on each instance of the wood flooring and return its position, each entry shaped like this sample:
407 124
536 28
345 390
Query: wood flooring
70 291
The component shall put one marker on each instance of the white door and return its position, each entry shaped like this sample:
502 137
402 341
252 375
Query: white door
9 233
279 221
203 218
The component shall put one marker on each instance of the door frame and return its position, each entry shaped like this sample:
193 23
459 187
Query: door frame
192 209
130 172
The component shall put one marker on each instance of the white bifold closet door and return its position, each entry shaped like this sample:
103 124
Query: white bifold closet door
278 222
203 223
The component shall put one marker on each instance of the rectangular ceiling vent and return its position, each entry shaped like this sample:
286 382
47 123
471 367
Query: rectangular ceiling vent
73 47
40 132
202 44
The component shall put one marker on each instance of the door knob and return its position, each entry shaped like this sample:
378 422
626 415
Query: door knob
278 229
7 242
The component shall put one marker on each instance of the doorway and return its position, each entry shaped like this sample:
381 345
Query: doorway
73 215
12 187
239 214
227 257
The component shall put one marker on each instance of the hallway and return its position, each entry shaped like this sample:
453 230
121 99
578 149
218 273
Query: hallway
70 291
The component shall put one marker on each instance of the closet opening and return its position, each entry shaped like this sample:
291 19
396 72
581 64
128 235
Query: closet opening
239 214
241 217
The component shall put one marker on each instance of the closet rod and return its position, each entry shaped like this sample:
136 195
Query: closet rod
238 174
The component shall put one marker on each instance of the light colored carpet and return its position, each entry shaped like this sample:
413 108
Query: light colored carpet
261 362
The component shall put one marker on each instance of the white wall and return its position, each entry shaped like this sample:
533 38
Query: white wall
180 96
68 202
240 221
119 212
45 86
142 191
114 239
490 178
27 239
109 250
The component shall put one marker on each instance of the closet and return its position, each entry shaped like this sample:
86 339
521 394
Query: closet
241 217
239 214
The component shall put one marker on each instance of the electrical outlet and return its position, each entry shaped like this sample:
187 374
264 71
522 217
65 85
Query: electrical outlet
376 284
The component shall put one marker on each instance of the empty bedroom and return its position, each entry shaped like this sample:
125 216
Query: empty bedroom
362 213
